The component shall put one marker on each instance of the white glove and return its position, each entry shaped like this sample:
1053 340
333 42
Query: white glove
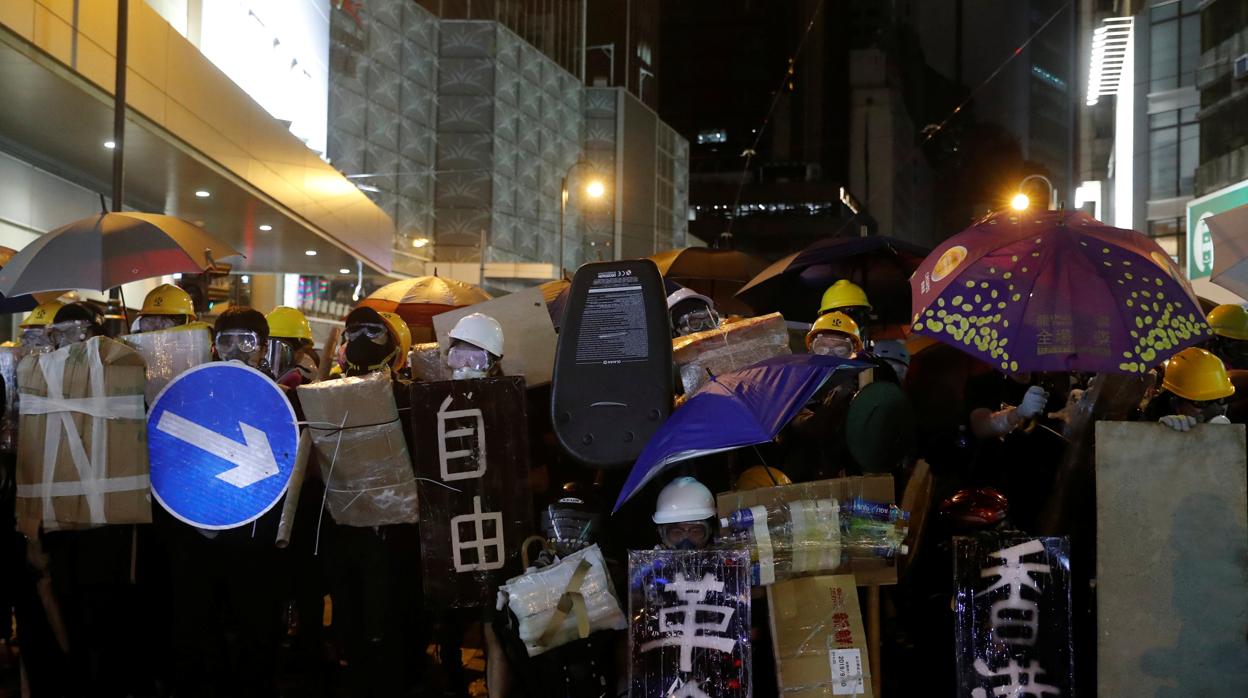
1179 422
1220 419
1033 403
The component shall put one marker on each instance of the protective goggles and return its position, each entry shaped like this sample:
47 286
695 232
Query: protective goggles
464 355
65 333
378 334
685 535
699 320
155 323
832 344
237 342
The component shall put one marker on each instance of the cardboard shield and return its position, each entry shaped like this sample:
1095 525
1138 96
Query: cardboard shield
1012 605
613 368
690 629
471 451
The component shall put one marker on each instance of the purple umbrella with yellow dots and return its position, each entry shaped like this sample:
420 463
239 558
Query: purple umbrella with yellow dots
1056 291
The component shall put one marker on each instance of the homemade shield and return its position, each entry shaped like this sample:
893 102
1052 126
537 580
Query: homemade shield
472 452
168 353
690 629
613 368
1012 610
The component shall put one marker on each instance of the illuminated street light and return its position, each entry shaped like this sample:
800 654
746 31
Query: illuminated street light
1020 202
596 189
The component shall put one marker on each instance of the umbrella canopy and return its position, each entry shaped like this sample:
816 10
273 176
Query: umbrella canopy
555 293
741 408
1056 291
111 249
881 265
417 300
1230 250
716 273
23 303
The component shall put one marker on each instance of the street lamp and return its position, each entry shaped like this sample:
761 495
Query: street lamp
1021 202
594 189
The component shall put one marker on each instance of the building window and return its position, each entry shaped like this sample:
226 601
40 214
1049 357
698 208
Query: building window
1173 153
1175 50
1171 234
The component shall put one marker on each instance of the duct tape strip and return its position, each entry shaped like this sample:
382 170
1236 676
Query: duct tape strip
828 549
762 540
92 483
797 511
572 602
75 489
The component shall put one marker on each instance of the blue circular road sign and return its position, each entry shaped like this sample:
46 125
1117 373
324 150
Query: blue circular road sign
221 440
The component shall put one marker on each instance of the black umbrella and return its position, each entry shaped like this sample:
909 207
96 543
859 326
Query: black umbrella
881 265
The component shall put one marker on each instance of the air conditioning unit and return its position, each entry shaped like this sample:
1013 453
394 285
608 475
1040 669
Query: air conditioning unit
1240 67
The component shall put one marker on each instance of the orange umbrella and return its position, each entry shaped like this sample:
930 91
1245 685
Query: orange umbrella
418 300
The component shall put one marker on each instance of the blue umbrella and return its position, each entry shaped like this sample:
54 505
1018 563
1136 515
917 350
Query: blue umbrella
742 408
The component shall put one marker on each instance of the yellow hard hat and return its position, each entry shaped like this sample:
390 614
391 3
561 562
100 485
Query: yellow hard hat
1195 374
761 476
402 335
286 322
835 322
167 299
843 294
1229 321
42 315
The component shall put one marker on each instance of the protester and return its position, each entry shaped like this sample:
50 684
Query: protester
241 334
165 307
373 341
476 347
685 515
75 322
847 297
291 355
1195 391
834 334
691 312
34 337
570 522
894 352
1230 335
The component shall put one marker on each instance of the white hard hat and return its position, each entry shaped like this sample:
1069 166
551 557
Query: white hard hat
480 330
684 499
893 350
685 294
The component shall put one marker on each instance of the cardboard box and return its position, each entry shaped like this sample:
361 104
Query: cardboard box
876 488
361 451
728 348
528 334
82 445
428 363
818 638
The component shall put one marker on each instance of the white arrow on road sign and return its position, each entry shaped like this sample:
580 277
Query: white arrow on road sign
252 461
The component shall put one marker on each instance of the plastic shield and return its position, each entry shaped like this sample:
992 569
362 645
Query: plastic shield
1012 606
690 629
168 353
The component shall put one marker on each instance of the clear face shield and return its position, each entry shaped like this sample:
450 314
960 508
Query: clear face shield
468 361
155 323
63 334
832 344
239 345
35 340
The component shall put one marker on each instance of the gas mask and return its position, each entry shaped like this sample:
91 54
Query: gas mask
698 320
468 361
239 345
686 535
1203 411
368 345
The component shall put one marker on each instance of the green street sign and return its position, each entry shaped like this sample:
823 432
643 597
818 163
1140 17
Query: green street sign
1199 241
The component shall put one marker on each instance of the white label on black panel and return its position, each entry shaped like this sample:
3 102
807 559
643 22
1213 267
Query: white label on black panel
613 326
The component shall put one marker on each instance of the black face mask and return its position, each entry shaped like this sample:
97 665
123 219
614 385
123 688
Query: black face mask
364 352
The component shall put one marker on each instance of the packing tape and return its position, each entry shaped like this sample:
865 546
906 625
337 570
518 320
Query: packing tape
762 540
74 489
107 407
